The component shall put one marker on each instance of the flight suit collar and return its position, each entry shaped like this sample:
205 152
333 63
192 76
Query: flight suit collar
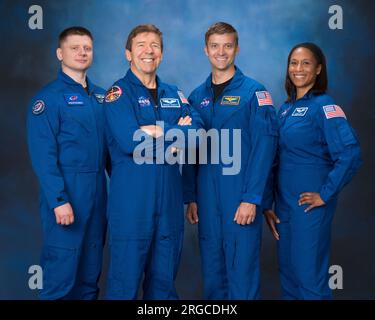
307 96
218 119
235 83
293 104
131 77
68 80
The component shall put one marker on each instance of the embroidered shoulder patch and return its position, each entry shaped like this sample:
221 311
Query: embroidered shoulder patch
333 111
264 98
38 107
113 94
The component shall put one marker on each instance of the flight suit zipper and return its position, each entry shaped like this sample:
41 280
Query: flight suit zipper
94 117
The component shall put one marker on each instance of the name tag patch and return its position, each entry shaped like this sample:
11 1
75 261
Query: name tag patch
230 100
73 99
169 103
300 112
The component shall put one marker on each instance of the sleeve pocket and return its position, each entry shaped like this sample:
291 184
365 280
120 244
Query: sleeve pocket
347 135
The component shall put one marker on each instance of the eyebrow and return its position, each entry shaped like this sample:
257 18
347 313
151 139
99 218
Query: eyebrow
80 44
294 59
153 42
223 43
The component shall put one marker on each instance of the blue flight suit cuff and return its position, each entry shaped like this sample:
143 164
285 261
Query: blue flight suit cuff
251 198
58 201
325 197
189 197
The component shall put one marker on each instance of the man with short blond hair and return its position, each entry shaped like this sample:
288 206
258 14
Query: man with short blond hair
65 131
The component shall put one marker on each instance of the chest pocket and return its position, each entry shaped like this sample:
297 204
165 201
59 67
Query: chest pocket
299 129
231 112
77 117
145 111
171 109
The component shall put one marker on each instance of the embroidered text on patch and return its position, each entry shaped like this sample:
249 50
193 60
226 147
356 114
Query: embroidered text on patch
74 99
144 101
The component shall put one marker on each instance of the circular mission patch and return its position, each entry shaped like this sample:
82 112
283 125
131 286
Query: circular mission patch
113 94
38 107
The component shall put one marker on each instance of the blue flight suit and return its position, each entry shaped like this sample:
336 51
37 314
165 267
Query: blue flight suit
145 206
318 152
230 252
65 133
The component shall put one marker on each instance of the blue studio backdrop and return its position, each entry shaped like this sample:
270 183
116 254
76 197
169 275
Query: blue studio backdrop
267 29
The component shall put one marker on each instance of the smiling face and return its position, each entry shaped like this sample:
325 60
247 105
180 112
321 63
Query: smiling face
303 70
221 50
75 53
145 55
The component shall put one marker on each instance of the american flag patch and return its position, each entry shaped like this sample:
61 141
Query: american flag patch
182 97
333 111
264 98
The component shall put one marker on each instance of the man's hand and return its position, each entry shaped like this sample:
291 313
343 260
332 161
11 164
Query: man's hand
272 219
182 122
64 214
245 213
152 130
311 198
175 150
157 131
186 121
192 212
